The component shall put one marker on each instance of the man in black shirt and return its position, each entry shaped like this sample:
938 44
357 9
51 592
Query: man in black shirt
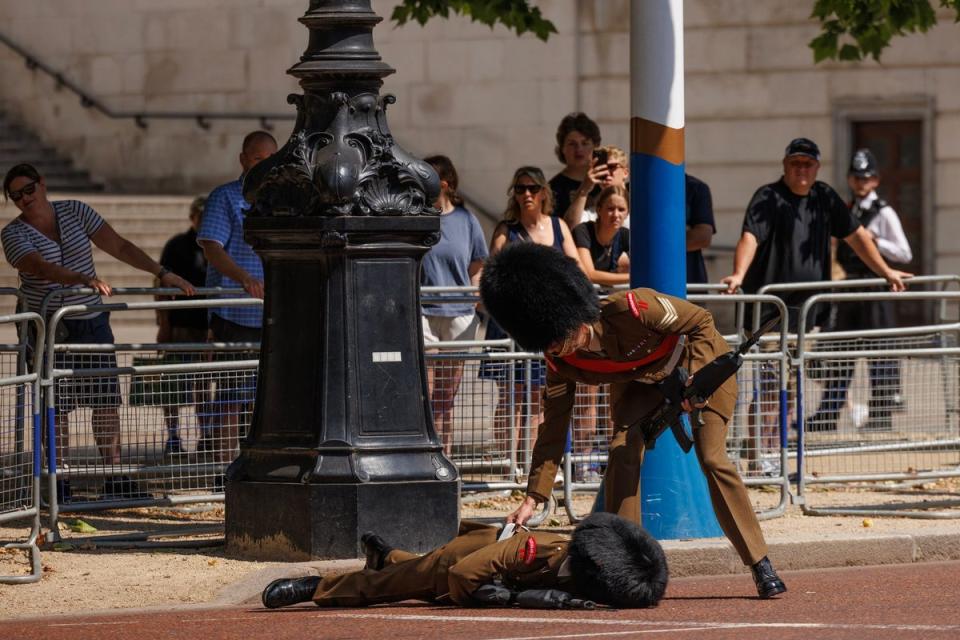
787 230
181 254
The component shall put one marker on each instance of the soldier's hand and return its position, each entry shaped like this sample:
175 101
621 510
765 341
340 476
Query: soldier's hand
689 406
524 512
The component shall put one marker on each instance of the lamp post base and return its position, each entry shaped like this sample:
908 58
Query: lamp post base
291 522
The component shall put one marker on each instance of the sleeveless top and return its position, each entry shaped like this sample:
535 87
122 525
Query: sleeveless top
516 232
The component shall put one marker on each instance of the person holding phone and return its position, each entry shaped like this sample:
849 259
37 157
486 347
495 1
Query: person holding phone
577 138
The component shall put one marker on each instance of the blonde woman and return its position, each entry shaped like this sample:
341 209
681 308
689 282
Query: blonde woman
527 219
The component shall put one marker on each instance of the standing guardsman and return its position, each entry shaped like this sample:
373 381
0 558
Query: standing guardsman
631 340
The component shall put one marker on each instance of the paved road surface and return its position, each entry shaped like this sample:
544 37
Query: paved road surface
875 603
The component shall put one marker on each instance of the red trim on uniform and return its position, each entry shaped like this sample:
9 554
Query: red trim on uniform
612 366
636 304
528 554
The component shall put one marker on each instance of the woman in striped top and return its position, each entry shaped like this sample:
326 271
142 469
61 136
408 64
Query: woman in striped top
49 244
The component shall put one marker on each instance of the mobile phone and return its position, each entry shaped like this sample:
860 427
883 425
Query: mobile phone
599 157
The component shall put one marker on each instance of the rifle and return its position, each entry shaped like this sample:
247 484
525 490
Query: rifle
495 594
704 382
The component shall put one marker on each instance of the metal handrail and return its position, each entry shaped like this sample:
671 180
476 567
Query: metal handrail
140 118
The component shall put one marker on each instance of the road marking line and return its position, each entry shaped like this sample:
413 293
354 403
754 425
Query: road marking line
658 623
666 625
607 633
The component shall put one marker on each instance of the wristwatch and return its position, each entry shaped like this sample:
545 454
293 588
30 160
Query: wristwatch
163 271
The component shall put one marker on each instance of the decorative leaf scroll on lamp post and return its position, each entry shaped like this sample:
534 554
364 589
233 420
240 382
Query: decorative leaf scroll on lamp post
342 439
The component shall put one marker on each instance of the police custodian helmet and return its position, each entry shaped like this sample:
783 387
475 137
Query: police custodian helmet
863 164
616 562
537 294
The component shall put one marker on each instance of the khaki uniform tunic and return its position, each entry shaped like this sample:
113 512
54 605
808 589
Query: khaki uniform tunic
632 326
454 571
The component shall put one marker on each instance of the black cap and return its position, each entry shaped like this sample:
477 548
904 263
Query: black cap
802 147
863 164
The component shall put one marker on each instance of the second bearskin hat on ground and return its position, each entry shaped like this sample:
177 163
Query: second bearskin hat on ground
616 562
537 294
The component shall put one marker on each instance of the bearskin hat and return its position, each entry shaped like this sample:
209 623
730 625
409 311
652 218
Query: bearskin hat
616 562
537 294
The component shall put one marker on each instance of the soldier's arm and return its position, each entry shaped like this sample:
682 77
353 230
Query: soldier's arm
558 397
482 567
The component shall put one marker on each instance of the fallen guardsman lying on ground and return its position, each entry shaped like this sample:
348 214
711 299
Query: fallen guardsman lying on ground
608 561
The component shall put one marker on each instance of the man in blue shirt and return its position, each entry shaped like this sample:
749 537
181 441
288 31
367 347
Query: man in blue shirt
232 263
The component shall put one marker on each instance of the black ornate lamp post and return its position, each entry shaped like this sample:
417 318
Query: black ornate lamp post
342 439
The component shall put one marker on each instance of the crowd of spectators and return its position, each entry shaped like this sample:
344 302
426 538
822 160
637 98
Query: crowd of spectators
582 212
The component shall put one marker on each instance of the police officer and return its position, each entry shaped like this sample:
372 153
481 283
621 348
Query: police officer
607 560
884 229
631 340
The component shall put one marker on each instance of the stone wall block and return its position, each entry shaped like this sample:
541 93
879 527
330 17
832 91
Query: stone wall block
605 54
268 27
557 99
755 95
947 138
947 228
873 81
780 47
604 16
606 98
530 58
200 31
944 83
947 184
718 49
713 13
106 76
408 58
719 141
97 32
446 62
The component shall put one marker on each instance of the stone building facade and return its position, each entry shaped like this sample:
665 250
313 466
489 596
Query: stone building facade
491 100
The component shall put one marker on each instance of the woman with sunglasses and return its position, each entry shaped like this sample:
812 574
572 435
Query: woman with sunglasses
527 219
49 245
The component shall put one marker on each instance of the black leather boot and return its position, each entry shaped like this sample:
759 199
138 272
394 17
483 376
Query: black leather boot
768 582
288 591
376 549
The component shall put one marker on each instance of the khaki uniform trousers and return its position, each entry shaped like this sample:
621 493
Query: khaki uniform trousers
405 575
731 502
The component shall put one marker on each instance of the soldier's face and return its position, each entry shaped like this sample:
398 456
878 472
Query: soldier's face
578 339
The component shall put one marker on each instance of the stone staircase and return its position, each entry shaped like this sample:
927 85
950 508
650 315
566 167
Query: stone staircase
20 145
148 222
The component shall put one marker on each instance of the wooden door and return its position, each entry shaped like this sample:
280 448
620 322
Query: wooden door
898 147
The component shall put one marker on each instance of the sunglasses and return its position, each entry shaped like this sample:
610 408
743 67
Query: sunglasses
532 189
28 189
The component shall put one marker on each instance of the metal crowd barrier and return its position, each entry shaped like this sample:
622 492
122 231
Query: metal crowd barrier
830 286
20 449
878 413
204 391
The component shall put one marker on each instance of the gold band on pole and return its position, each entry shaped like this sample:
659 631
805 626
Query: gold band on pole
655 139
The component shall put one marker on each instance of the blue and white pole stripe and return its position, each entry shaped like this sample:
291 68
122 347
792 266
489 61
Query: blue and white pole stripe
674 499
